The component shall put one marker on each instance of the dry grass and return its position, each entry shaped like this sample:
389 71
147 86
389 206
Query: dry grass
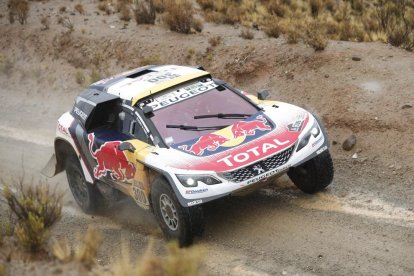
87 248
125 13
36 209
45 22
84 252
246 34
177 261
6 65
215 40
316 36
80 77
179 16
3 270
95 75
352 20
145 12
80 9
18 9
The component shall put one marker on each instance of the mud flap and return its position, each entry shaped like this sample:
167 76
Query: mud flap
51 168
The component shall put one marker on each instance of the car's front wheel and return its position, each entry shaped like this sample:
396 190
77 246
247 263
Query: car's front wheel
313 175
86 195
177 222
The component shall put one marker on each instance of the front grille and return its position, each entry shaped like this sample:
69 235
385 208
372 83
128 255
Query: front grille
260 167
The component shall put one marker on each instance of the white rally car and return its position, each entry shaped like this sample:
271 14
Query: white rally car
172 138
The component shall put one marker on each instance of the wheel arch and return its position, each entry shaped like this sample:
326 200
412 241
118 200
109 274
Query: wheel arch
63 149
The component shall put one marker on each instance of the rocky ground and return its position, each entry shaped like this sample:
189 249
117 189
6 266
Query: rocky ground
362 224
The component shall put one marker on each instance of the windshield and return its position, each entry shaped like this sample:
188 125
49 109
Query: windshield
204 98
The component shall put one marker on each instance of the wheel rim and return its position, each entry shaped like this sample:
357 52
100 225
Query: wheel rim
79 188
168 212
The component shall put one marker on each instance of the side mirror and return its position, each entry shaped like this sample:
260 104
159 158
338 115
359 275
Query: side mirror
262 95
148 111
126 146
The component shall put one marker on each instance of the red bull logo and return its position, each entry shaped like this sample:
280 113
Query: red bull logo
208 142
248 128
110 158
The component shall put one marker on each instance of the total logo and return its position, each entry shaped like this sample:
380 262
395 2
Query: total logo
242 157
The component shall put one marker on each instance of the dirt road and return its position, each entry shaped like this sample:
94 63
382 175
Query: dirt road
363 224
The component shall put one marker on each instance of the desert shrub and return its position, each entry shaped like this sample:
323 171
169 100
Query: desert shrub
95 75
272 28
351 31
177 261
36 208
179 16
6 65
87 248
65 22
44 20
316 36
197 25
215 40
145 12
18 9
79 8
125 13
246 34
80 77
3 270
292 31
84 251
316 7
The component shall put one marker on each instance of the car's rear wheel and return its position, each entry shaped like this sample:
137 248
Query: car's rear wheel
86 195
313 175
177 222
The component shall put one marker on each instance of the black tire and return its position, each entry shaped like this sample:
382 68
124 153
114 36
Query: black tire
313 175
86 195
177 222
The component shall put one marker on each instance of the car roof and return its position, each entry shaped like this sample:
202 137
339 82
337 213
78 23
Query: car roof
141 82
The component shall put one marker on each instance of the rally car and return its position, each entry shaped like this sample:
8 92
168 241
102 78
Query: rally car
173 138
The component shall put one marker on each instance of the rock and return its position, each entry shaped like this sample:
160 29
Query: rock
334 142
355 156
326 76
349 143
407 106
355 58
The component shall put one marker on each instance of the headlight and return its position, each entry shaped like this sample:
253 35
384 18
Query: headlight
189 180
314 131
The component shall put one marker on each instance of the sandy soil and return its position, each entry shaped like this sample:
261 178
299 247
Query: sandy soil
362 224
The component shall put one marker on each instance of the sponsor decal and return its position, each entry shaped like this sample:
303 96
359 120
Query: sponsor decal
62 129
162 77
80 113
181 94
243 157
297 125
110 159
267 175
248 128
319 151
208 142
190 192
219 141
195 202
139 193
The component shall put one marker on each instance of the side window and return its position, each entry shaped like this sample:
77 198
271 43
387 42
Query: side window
130 126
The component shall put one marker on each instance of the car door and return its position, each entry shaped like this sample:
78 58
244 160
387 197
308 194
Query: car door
135 150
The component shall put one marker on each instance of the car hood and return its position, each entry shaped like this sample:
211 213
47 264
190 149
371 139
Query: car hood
263 134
